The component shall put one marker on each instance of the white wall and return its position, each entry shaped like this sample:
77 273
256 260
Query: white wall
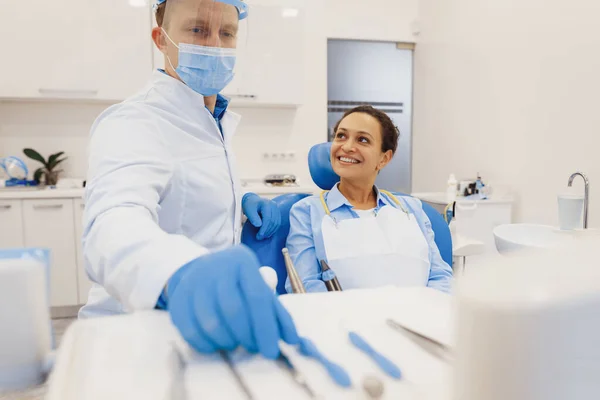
510 89
48 128
53 127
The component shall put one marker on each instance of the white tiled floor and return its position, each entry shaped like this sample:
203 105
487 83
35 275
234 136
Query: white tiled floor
37 393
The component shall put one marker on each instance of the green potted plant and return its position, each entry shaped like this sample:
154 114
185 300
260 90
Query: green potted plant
48 171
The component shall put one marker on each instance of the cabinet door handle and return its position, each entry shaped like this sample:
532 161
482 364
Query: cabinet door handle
244 96
68 93
5 206
47 206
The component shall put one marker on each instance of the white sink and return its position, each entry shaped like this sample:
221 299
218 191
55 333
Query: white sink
515 237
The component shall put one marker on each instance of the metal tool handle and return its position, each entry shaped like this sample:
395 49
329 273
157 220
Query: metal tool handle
332 285
336 285
225 356
432 346
284 361
295 281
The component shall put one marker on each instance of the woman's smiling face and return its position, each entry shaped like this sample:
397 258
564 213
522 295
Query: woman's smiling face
356 151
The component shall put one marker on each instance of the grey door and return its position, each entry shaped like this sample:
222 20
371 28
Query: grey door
379 74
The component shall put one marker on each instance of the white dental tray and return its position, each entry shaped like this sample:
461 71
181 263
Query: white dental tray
134 356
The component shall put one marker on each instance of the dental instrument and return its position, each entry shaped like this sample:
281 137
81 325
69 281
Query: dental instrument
383 362
339 375
333 285
295 281
236 374
300 379
432 346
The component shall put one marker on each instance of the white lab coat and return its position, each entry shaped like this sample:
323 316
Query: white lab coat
162 190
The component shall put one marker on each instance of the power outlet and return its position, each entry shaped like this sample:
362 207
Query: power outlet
279 156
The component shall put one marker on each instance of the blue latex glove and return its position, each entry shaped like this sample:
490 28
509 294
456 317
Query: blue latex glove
220 301
262 213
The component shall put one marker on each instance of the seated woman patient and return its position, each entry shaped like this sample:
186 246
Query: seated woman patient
368 237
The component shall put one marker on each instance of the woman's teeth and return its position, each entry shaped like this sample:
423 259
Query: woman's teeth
348 160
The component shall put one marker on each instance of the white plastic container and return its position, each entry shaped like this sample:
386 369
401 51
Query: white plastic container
25 338
451 188
570 211
528 327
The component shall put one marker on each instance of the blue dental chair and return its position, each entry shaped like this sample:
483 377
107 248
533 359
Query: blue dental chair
321 171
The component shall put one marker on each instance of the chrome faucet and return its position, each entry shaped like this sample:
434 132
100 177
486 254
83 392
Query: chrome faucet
586 198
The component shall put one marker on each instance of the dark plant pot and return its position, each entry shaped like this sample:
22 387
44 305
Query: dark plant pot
51 178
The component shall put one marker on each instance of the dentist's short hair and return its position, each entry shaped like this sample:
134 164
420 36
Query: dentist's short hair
160 14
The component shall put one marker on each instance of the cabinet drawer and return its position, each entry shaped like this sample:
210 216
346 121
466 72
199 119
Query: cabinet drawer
11 221
49 223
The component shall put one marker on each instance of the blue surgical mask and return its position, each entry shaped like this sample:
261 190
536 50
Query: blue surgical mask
206 70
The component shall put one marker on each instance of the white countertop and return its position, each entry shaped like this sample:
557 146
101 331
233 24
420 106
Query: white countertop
440 198
261 188
38 193
65 193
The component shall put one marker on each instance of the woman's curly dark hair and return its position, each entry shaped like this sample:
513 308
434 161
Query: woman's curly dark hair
389 132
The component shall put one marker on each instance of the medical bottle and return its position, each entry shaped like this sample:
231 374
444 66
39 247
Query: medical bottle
451 189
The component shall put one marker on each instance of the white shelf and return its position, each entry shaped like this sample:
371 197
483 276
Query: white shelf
262 189
440 198
35 193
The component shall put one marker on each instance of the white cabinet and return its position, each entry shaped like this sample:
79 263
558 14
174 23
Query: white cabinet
83 283
118 47
49 223
75 49
270 56
270 65
477 220
32 37
11 221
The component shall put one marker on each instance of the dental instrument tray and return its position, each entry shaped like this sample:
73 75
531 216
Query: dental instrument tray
142 356
280 180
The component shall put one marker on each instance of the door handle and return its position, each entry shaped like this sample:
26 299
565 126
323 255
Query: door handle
244 96
5 206
47 206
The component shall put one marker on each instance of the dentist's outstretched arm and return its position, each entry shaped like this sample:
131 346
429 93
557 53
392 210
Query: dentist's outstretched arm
220 301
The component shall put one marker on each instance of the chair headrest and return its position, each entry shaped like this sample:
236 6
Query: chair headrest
319 164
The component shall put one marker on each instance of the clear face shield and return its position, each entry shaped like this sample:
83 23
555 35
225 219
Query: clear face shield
201 39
